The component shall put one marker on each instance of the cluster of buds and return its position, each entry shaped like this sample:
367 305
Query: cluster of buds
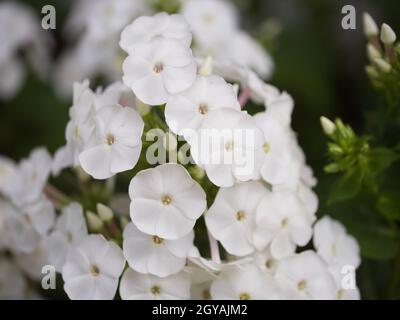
381 48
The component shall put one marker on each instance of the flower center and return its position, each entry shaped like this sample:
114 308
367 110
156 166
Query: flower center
333 249
301 285
166 200
240 215
244 296
206 295
340 294
94 271
110 139
203 108
266 147
285 222
75 133
270 263
156 290
158 68
229 146
157 240
208 18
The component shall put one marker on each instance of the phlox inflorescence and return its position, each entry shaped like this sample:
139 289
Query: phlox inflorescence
247 180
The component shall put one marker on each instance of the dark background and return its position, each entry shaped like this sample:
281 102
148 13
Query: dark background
317 62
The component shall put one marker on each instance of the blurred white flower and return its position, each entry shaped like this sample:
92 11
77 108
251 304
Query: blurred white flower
265 261
138 286
8 175
231 218
145 28
226 146
152 254
244 283
31 263
32 176
158 68
281 222
166 201
92 269
211 20
115 144
334 245
305 276
187 110
69 230
41 215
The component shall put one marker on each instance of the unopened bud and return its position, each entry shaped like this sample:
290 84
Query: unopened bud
207 66
327 125
105 213
373 52
94 222
142 108
370 27
382 65
371 72
388 36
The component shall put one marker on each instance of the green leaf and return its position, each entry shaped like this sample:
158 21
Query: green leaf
380 159
347 187
389 205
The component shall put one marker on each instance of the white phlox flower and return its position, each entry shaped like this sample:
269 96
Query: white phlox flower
232 217
152 254
187 110
13 284
146 28
92 269
281 222
226 146
305 276
139 286
69 230
244 283
166 201
115 144
158 68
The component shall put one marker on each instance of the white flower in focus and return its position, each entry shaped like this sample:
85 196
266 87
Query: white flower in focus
138 286
226 147
70 228
231 218
152 254
166 201
158 68
187 110
144 29
13 284
265 261
244 283
281 222
115 144
92 269
305 276
278 164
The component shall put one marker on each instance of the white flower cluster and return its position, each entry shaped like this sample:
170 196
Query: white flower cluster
20 30
263 213
98 23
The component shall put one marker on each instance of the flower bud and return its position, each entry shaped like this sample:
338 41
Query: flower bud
142 108
327 125
371 72
370 27
207 67
94 222
373 52
388 36
382 65
105 213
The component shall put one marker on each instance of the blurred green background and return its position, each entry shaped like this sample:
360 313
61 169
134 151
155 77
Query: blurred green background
317 62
